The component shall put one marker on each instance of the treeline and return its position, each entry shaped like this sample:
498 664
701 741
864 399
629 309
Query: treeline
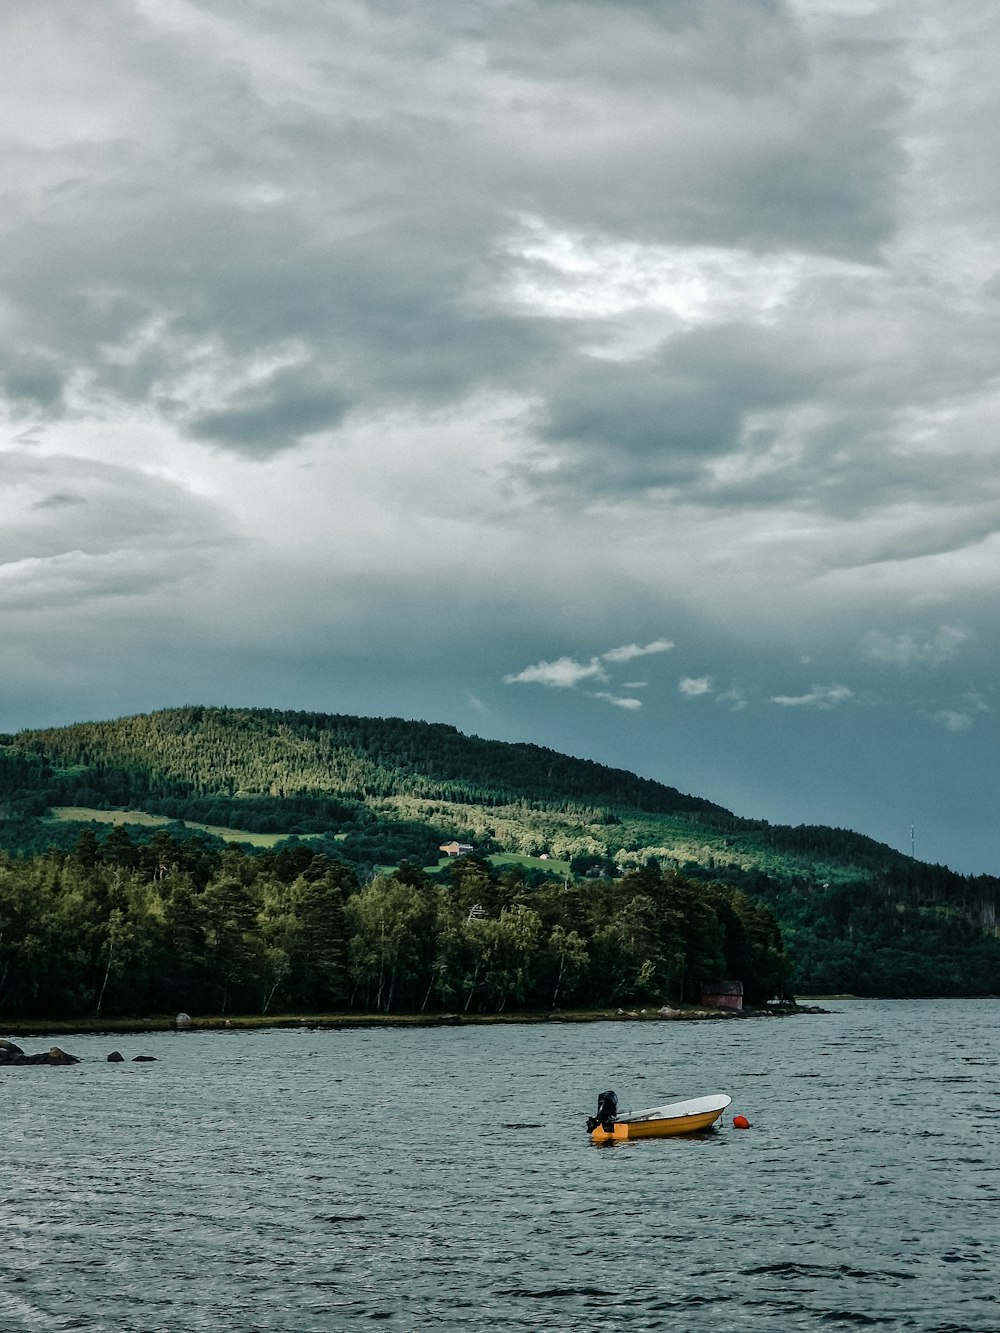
117 928
923 932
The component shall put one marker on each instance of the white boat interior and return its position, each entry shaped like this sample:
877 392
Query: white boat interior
715 1101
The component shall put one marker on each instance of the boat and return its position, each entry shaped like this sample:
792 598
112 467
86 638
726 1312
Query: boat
656 1122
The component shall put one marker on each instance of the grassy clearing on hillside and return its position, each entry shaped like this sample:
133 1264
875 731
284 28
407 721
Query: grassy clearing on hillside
550 863
79 814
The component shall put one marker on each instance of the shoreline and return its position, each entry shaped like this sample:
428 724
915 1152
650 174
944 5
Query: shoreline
41 1027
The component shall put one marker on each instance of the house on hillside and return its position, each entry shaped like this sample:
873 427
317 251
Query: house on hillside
723 995
456 848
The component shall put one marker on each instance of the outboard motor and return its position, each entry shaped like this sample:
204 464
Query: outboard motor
607 1109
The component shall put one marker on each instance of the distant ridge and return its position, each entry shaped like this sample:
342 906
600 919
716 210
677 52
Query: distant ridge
261 752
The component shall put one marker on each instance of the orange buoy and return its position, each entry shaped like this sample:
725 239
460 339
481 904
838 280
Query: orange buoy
740 1122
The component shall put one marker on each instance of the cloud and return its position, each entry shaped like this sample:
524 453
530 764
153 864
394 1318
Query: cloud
823 697
734 699
952 720
628 652
665 419
698 687
279 413
907 651
694 686
202 193
58 500
617 700
716 123
567 673
74 530
564 673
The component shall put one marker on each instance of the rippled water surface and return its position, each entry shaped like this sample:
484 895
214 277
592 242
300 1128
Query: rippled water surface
443 1178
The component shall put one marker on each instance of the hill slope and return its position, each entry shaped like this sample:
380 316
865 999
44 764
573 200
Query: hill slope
269 771
242 753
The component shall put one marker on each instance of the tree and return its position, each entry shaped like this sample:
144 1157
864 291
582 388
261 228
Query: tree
306 924
569 959
233 944
390 924
118 848
186 966
505 948
631 963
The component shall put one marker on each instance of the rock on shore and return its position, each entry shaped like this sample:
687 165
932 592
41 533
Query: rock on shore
10 1054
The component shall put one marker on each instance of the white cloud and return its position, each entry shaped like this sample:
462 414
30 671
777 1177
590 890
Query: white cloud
952 720
906 650
567 673
573 276
564 673
822 697
734 699
694 686
976 703
628 651
616 700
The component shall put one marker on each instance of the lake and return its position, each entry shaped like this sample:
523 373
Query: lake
443 1178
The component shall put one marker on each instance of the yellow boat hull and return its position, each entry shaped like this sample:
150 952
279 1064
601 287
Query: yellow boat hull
665 1121
656 1129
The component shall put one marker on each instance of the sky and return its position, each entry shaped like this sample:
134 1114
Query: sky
621 377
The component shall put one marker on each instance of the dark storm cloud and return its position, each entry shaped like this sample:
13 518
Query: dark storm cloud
658 422
58 500
224 209
31 383
273 415
702 123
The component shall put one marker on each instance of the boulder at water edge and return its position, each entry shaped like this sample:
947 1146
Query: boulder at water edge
13 1055
57 1056
115 1057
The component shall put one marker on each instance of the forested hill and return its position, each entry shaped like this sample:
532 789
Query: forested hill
398 788
247 753
381 795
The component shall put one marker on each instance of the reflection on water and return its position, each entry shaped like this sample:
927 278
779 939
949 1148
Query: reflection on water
299 1181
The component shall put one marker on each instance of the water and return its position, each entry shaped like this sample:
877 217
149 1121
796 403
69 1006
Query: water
301 1181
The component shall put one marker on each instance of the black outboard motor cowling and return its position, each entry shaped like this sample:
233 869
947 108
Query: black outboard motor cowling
607 1109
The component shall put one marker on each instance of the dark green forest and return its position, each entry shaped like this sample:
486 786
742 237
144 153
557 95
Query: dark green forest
116 928
656 891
